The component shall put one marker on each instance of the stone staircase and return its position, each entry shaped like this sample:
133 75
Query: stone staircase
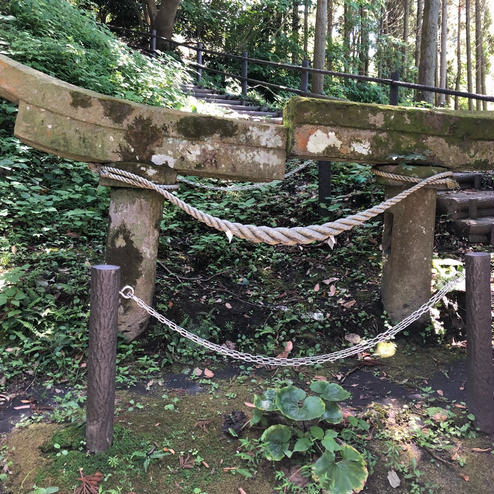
469 211
234 103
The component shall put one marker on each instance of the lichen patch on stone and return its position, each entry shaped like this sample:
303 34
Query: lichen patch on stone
162 159
320 140
361 147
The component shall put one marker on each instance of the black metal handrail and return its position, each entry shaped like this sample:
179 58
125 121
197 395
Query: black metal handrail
393 82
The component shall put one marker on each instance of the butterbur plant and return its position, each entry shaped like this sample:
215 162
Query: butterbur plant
302 426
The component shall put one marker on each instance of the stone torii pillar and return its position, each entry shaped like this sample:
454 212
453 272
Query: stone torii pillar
155 143
433 141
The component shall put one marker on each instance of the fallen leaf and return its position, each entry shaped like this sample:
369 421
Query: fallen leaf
204 464
229 469
353 338
349 304
170 304
22 407
288 348
440 392
89 483
481 450
317 287
208 373
331 242
465 477
197 372
228 305
319 378
157 424
168 450
393 479
332 290
249 405
241 491
329 280
440 417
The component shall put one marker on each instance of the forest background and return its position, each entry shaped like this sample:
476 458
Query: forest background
443 43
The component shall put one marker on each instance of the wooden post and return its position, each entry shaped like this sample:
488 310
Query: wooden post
153 42
324 182
393 89
105 285
199 62
245 71
304 79
480 368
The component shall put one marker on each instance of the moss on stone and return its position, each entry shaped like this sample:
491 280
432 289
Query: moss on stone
116 110
198 127
79 99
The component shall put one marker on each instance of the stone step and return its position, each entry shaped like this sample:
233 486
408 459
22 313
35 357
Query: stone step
468 179
476 230
466 203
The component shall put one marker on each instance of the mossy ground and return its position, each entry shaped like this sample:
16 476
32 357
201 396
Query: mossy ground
190 425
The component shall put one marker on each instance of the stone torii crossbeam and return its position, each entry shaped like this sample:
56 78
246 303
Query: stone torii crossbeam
159 143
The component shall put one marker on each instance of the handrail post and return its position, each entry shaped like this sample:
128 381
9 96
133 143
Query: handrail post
102 351
199 62
304 79
153 42
245 70
324 186
394 89
480 369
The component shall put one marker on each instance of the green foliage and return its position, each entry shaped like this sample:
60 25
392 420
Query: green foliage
340 469
58 39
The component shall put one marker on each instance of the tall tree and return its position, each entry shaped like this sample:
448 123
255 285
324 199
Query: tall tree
458 54
329 52
428 50
469 51
295 28
444 41
478 51
418 30
406 21
363 51
320 45
162 18
306 27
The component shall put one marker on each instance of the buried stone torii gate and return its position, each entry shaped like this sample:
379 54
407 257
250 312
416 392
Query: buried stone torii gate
158 143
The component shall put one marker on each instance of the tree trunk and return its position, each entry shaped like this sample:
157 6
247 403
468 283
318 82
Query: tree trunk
295 27
428 49
444 40
329 53
478 52
363 51
469 52
418 31
406 21
458 55
164 21
346 38
320 45
306 27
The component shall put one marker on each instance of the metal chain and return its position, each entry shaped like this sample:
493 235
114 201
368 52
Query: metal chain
127 292
239 188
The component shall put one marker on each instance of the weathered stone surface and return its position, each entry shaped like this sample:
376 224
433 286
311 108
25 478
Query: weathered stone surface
79 124
408 241
132 244
346 131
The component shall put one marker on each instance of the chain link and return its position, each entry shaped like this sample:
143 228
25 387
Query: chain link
127 292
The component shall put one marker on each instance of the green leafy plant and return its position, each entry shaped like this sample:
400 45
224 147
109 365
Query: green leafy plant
340 468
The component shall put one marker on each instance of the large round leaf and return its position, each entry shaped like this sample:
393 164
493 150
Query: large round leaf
332 414
330 391
292 403
341 477
266 401
276 440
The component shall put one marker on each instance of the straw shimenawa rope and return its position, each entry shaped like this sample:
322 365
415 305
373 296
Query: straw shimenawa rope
269 235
